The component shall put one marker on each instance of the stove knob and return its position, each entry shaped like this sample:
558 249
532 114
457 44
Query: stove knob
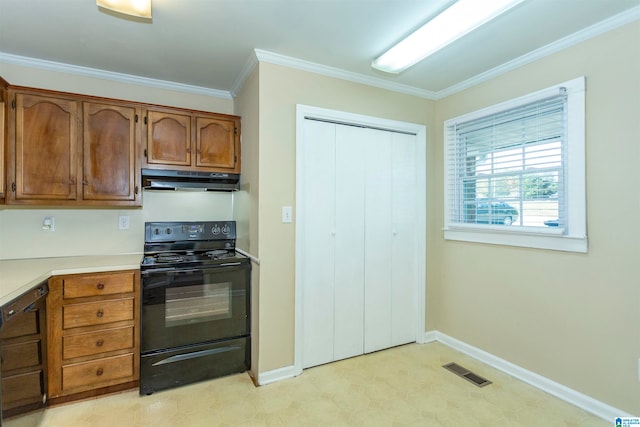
156 231
168 231
226 229
215 230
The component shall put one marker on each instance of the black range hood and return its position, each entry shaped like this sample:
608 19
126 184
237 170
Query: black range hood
157 179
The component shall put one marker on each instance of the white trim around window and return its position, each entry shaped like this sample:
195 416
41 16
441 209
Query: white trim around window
571 233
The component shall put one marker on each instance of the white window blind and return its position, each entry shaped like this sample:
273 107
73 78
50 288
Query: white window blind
508 167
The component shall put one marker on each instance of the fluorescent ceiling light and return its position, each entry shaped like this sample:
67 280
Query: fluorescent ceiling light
139 8
461 18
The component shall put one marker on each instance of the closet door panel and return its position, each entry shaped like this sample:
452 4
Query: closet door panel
318 241
349 243
403 245
377 248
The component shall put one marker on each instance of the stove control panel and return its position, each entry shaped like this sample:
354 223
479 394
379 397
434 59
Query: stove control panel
181 231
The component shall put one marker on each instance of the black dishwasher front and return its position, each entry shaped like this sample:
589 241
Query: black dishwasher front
23 352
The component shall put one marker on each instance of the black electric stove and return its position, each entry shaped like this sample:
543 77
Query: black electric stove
196 304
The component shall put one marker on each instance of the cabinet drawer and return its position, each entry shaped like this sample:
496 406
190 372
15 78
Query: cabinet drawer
97 342
93 373
96 313
22 389
97 284
22 355
24 324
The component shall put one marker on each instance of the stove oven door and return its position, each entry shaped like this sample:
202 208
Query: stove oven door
186 307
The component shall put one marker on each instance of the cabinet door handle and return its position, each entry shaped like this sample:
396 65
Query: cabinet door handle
99 372
100 313
99 343
100 286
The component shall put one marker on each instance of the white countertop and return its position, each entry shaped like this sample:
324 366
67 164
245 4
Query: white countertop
19 275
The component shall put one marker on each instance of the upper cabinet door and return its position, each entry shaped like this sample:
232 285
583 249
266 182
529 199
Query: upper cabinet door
216 143
2 133
46 148
168 138
109 152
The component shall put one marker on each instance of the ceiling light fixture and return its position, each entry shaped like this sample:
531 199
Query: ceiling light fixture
139 8
459 19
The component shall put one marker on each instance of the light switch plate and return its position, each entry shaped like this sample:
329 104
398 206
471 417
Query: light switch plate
287 214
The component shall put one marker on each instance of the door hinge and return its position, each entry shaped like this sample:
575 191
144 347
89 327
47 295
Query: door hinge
145 152
136 118
135 190
235 130
13 187
13 104
145 120
235 159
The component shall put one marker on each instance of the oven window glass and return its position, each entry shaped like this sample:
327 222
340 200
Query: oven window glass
196 304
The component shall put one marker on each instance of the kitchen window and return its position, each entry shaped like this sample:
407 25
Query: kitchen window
515 172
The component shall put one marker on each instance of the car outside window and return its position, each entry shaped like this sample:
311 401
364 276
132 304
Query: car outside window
514 172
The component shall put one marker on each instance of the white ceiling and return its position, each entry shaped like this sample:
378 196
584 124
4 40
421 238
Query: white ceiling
210 44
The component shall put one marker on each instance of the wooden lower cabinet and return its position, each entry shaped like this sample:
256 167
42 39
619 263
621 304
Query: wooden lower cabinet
93 334
22 349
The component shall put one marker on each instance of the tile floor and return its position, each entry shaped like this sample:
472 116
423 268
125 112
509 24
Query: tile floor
403 386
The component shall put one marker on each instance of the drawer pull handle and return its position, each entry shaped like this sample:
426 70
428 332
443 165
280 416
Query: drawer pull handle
99 372
99 343
100 286
100 313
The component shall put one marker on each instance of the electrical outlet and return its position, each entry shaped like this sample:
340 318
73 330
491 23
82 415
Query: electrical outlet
123 222
48 223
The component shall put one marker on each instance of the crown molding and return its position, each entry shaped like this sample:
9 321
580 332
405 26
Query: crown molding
110 75
244 74
312 67
597 29
258 55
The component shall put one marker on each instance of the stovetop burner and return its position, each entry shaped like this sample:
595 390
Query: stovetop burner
168 257
219 253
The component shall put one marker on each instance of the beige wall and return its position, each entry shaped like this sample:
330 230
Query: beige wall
247 199
570 317
95 231
280 90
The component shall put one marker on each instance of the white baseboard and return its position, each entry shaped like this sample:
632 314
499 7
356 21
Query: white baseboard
593 406
275 375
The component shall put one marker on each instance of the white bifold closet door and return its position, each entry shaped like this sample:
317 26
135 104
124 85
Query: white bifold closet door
358 269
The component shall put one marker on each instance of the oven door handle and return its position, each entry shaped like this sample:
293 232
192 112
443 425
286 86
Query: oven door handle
191 270
194 355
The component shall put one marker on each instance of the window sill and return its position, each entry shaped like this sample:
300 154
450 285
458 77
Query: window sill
546 239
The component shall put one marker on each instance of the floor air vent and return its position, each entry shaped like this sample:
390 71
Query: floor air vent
467 374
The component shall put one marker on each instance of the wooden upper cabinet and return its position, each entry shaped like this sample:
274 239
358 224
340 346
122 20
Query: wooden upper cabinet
3 135
188 140
168 138
215 143
109 152
2 139
46 148
65 149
